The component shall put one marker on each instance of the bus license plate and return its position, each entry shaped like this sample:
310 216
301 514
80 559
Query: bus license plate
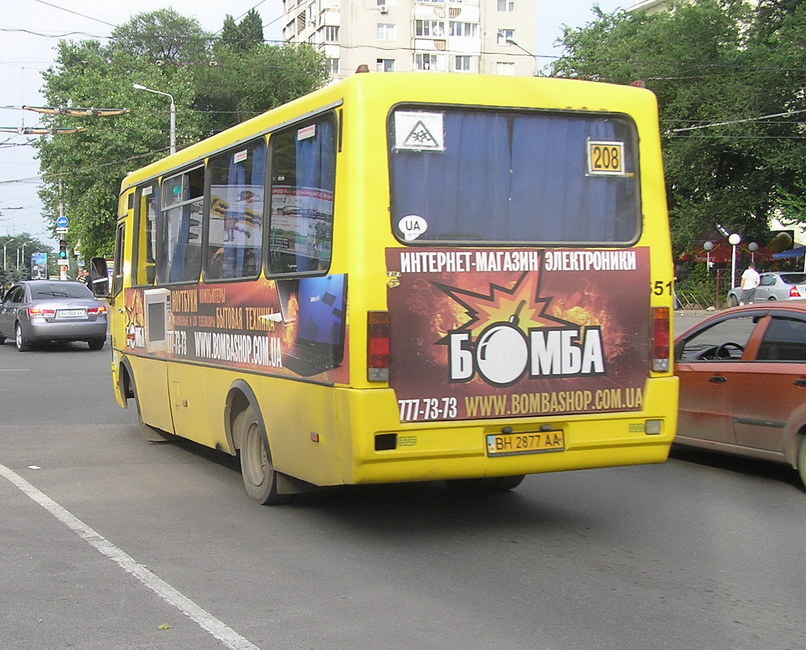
534 442
71 313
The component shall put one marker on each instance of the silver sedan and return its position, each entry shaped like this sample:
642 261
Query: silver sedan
37 311
774 286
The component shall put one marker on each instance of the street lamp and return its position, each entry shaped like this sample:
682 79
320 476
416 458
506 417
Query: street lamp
708 246
733 240
509 41
173 111
752 247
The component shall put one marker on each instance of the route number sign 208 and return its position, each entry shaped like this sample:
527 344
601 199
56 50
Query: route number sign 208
605 157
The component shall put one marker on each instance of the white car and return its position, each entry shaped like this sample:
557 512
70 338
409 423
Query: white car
774 286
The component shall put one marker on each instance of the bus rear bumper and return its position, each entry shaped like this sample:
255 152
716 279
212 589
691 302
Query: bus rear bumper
426 451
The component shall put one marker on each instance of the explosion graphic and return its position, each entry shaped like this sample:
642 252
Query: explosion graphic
520 305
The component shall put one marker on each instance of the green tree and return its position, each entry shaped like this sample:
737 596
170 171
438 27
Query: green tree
710 65
165 52
244 35
163 37
19 248
245 83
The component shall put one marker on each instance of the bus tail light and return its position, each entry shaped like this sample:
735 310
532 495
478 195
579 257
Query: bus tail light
378 350
660 339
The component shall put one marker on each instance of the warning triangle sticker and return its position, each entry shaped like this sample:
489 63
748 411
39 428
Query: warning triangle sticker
420 137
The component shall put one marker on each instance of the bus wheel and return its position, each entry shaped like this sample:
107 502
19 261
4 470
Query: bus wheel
259 476
496 484
802 460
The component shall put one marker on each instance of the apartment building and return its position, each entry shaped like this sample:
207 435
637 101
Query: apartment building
484 36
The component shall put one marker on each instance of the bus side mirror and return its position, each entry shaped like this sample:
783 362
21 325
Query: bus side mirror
99 278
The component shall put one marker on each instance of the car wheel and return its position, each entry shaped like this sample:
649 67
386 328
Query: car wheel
259 477
772 298
733 301
2 340
21 341
802 460
97 344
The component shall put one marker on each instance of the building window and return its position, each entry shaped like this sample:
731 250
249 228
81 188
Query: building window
464 29
333 65
426 61
386 32
506 5
432 28
505 69
505 35
385 65
461 63
331 34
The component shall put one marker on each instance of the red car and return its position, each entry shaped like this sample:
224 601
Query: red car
743 383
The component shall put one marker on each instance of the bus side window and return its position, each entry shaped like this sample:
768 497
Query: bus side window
303 183
179 253
145 238
235 223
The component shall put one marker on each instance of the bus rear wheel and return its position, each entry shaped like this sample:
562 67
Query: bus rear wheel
259 477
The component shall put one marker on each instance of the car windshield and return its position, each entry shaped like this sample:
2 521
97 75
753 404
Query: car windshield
60 290
793 278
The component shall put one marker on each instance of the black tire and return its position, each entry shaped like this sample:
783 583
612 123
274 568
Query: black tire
772 298
802 460
259 477
733 301
495 484
2 340
20 340
97 344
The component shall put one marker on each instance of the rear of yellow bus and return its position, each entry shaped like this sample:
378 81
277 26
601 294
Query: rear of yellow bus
510 274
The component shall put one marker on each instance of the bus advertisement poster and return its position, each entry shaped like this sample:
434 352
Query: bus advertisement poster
517 333
285 327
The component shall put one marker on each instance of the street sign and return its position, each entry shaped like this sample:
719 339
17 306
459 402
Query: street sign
61 222
62 262
61 231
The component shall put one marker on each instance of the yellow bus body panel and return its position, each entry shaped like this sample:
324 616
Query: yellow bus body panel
326 434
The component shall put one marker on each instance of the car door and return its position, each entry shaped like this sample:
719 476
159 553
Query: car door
8 310
710 368
766 287
775 386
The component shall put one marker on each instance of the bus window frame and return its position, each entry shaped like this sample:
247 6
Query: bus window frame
208 195
330 114
154 183
634 148
162 240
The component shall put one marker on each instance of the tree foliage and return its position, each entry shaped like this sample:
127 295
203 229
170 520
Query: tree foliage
244 35
213 87
19 248
716 66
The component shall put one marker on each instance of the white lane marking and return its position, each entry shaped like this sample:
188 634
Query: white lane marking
205 620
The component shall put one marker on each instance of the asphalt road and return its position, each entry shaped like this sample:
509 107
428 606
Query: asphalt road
111 542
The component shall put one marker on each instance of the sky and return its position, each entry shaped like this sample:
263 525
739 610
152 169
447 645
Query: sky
31 29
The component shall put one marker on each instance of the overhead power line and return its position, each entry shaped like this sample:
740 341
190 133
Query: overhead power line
742 121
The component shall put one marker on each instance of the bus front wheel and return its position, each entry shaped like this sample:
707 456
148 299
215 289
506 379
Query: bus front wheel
259 477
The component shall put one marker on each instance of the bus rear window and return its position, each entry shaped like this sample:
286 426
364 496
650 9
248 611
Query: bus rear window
512 177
